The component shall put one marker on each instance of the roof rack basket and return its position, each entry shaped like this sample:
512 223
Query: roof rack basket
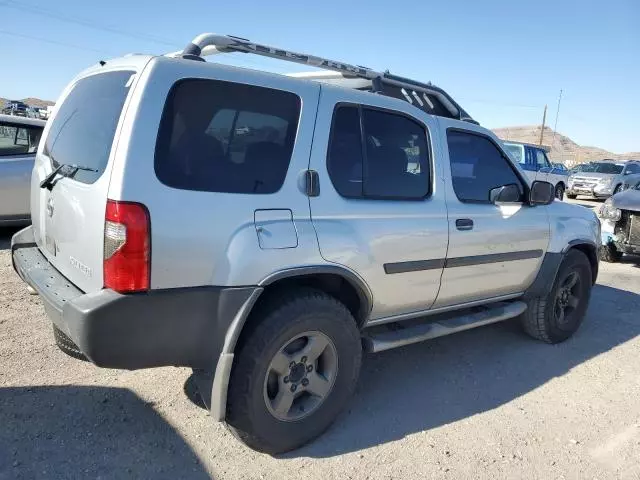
425 96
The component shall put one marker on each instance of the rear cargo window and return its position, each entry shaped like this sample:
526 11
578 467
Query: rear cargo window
84 126
220 136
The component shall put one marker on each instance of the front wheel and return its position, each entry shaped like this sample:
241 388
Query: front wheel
558 315
294 373
559 192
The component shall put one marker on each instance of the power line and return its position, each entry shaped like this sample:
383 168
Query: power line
54 42
84 22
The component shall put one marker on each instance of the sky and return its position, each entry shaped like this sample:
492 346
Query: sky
503 61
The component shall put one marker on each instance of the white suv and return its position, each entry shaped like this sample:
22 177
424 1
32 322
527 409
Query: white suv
265 229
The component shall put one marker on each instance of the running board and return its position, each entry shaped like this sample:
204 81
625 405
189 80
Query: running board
387 339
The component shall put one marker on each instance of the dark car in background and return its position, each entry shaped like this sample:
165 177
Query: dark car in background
16 107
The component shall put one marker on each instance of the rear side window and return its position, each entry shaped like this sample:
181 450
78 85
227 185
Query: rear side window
477 166
18 139
378 154
220 136
84 127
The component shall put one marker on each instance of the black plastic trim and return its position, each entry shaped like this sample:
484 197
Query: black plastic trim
543 283
181 326
492 258
414 266
364 293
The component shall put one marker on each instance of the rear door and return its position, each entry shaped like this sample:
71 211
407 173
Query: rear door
381 210
18 145
68 218
494 250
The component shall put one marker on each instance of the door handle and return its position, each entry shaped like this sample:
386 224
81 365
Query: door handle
464 224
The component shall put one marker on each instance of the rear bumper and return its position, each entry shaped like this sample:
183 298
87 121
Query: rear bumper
181 327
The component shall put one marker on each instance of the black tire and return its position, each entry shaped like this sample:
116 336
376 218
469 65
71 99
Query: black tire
289 315
540 319
559 191
609 253
572 196
65 344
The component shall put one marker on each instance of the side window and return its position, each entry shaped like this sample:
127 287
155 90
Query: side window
388 158
345 156
220 136
541 159
632 168
19 140
477 166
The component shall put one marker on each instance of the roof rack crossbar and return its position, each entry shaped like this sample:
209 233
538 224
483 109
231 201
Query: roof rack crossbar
211 44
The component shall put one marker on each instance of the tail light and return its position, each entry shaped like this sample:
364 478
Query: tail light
127 247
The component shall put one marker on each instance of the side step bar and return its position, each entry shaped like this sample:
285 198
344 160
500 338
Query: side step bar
387 339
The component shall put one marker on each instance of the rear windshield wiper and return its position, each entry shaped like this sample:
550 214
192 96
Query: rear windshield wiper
63 170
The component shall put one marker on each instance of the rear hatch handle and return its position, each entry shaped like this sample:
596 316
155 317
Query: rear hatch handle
63 170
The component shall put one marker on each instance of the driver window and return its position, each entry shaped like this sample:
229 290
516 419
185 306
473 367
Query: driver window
477 166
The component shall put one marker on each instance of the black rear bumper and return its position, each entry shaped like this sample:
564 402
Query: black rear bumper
181 327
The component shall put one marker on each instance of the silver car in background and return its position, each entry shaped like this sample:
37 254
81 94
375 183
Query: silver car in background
601 179
19 138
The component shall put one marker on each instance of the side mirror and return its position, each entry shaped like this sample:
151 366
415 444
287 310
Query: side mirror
628 172
542 193
505 194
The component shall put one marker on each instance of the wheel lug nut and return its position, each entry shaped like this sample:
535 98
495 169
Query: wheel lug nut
303 359
286 379
309 368
292 364
293 387
305 382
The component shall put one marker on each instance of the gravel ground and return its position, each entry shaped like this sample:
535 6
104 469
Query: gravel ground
488 403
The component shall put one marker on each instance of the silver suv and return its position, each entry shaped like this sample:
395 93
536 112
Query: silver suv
601 179
265 230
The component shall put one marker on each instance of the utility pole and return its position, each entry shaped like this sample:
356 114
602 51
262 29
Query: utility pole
544 119
555 127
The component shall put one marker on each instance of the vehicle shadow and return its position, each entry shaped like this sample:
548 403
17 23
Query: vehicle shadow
88 432
431 384
5 237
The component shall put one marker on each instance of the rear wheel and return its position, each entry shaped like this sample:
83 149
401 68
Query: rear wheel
294 373
559 191
609 253
557 316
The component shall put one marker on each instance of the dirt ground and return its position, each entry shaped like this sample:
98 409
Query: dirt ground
488 403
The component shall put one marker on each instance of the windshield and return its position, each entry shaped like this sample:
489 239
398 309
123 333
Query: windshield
597 167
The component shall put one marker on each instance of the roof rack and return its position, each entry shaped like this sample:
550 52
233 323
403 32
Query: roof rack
425 96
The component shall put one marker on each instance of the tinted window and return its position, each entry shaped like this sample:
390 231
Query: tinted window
394 162
19 139
83 129
345 156
632 168
224 137
477 166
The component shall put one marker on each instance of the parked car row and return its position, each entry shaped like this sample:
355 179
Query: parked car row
21 109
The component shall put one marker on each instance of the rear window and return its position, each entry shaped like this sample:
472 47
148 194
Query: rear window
220 136
83 129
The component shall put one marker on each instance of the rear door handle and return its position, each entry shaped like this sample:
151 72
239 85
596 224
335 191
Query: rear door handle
464 224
